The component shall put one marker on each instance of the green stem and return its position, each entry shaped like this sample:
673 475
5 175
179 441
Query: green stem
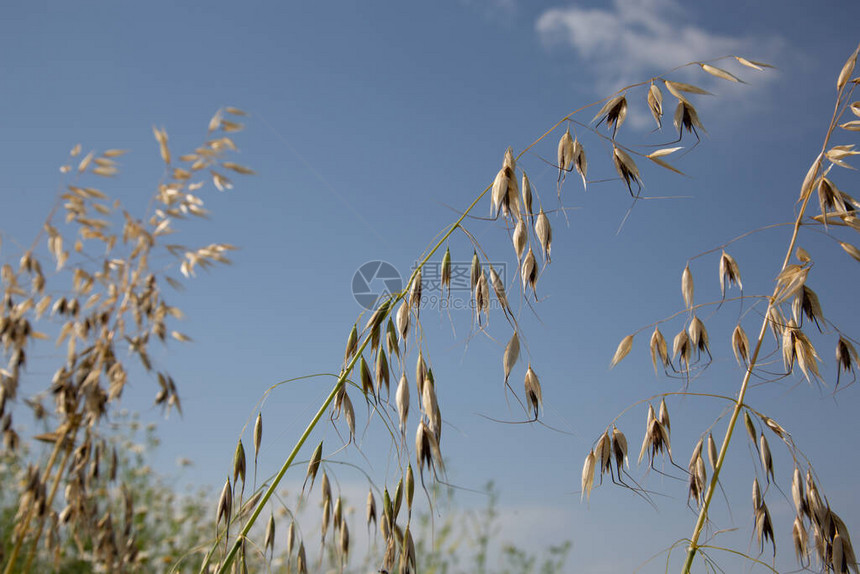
694 547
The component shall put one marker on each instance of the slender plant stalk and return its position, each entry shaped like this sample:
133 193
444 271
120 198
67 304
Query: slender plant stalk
234 549
693 548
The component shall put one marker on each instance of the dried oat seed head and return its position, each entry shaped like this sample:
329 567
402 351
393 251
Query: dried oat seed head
543 232
623 349
588 476
687 287
729 273
741 346
520 238
534 400
659 349
512 353
258 435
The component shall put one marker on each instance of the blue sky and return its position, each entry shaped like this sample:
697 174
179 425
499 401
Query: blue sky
370 125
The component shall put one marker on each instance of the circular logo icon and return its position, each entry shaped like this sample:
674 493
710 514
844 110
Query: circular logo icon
373 281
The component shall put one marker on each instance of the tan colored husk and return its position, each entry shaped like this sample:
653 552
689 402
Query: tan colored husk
712 451
258 435
588 476
499 289
699 335
512 353
526 190
370 508
403 321
402 400
580 162
619 448
622 351
565 153
741 346
687 287
529 271
659 349
655 104
766 457
603 452
626 168
520 238
729 273
534 398
543 232
613 113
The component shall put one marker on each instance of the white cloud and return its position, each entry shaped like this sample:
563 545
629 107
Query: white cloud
634 39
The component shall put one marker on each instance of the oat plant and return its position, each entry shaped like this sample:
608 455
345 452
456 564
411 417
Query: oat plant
96 281
387 368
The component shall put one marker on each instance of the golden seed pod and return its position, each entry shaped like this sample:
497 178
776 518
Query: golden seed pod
415 293
588 476
512 353
420 373
766 458
664 416
687 287
402 400
756 494
698 335
543 232
526 190
619 448
446 271
682 348
603 452
613 113
797 494
655 104
622 351
403 321
712 451
534 399
529 272
579 162
659 349
565 153
499 289
741 346
748 423
626 168
475 271
520 238
801 540
729 273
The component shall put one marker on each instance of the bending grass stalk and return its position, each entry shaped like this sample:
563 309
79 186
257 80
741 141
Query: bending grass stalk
234 549
693 548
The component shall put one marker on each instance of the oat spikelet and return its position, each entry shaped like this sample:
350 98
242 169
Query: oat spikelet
565 154
626 168
528 272
655 104
526 190
269 540
225 504
543 232
659 349
682 349
403 321
623 349
613 113
748 423
687 287
258 436
534 399
846 358
729 273
587 476
239 463
499 289
313 465
712 451
766 457
801 540
512 353
580 162
741 346
520 238
847 70
619 448
371 508
403 402
446 271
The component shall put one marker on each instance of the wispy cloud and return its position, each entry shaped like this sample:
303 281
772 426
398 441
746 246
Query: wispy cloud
632 39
